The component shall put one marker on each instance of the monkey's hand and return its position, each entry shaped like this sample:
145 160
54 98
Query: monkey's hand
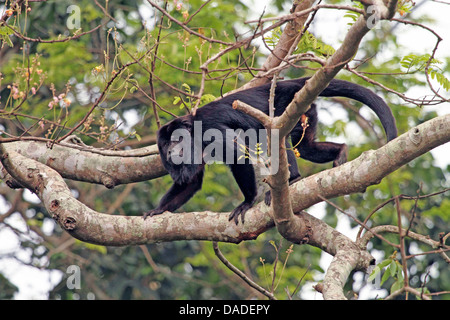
240 210
152 213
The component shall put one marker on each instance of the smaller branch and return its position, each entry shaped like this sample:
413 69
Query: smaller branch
301 13
197 11
182 25
440 249
402 196
287 224
153 66
263 118
401 236
288 41
410 290
201 90
441 252
362 224
99 100
443 2
74 37
239 273
247 40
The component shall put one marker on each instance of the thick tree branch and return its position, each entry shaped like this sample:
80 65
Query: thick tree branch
355 176
88 225
82 163
298 106
91 226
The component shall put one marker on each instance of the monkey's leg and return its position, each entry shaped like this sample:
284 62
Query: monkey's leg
244 175
177 195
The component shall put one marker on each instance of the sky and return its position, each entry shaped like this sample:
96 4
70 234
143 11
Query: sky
35 283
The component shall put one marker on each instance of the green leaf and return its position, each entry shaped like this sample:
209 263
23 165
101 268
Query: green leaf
396 286
90 246
186 87
310 43
419 62
374 273
384 263
385 276
207 98
440 78
274 245
399 273
138 137
392 268
5 32
272 40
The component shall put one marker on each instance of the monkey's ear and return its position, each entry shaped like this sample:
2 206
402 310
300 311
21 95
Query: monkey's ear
187 121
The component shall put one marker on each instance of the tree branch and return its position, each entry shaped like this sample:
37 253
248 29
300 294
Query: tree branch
91 226
287 224
289 39
88 225
83 163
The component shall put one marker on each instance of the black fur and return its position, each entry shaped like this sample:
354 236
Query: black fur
220 115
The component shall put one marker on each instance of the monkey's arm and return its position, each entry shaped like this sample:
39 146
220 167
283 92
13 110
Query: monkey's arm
177 195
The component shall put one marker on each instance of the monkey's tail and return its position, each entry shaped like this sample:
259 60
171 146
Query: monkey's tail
341 88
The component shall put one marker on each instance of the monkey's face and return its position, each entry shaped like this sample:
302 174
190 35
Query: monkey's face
176 148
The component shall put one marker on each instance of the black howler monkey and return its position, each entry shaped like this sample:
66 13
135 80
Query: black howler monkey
187 177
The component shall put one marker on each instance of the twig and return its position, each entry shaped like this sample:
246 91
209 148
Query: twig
74 37
98 101
153 66
238 272
362 224
401 235
197 11
300 280
182 25
275 263
402 196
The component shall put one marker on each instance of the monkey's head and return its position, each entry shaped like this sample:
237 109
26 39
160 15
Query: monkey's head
176 148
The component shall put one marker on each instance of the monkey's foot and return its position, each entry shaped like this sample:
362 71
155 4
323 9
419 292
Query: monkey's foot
152 213
342 156
240 210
